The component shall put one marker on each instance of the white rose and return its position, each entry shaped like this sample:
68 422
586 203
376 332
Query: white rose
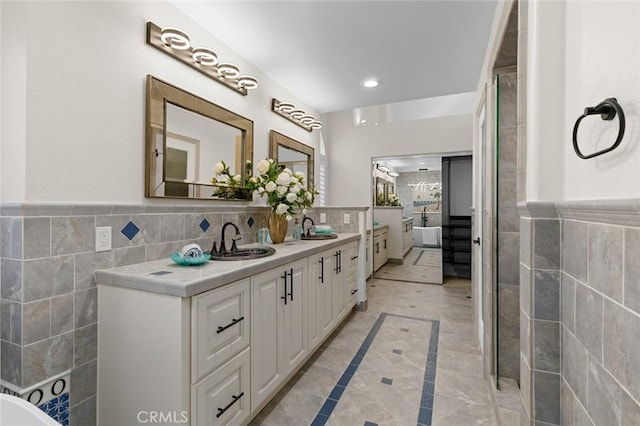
288 218
308 195
297 187
291 197
282 209
304 212
282 190
288 171
270 187
237 178
223 178
260 190
283 179
299 175
294 179
253 179
263 166
270 160
218 168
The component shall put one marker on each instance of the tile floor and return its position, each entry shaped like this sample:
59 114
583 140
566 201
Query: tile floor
378 368
420 265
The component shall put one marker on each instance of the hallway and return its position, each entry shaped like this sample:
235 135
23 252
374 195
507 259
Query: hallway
378 368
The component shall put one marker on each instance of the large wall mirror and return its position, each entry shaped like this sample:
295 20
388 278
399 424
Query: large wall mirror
292 154
186 136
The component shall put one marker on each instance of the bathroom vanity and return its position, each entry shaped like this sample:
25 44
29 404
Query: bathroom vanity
212 344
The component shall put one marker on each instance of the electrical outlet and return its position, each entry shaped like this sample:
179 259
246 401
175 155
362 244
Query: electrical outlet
323 218
103 238
347 218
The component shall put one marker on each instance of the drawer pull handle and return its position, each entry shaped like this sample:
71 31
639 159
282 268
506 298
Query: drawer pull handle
231 324
354 291
235 399
354 257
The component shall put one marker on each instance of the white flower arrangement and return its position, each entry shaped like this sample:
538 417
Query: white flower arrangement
285 190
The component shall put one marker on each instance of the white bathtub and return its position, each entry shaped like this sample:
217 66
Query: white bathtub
16 411
429 236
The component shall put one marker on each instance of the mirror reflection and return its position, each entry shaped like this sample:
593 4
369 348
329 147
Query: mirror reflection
186 136
292 154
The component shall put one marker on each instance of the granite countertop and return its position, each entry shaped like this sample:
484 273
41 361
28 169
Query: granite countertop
166 277
407 219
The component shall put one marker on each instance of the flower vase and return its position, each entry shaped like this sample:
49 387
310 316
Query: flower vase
277 227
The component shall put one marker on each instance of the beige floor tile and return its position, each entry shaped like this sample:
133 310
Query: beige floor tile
461 394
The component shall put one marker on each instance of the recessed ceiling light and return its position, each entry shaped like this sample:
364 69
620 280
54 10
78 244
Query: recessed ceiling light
370 83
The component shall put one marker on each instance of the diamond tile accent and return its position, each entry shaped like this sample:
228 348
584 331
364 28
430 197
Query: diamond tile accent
386 381
130 230
159 273
368 423
250 221
204 225
404 329
397 351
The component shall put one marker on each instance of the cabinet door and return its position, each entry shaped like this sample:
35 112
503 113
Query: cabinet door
294 319
325 307
313 301
221 321
267 336
223 398
350 291
337 284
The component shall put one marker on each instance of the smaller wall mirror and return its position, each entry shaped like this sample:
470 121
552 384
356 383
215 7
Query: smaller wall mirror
292 154
186 137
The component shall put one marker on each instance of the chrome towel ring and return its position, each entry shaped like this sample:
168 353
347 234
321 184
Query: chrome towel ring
607 109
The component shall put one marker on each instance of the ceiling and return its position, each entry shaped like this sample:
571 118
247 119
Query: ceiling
321 51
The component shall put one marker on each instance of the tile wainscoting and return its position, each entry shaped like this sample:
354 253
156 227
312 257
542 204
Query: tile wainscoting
580 312
48 295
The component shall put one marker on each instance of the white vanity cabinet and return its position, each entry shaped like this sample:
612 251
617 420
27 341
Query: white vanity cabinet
187 358
319 306
407 235
278 308
380 253
168 345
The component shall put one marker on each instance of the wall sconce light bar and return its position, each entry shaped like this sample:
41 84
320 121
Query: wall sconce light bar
295 115
177 44
384 169
393 174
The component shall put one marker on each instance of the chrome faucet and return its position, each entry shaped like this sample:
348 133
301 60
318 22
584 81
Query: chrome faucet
223 248
312 224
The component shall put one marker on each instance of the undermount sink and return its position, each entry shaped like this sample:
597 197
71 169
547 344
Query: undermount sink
244 254
319 236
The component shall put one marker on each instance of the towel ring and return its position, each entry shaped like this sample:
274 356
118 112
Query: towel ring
607 109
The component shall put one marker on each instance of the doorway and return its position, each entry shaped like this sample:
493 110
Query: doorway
408 199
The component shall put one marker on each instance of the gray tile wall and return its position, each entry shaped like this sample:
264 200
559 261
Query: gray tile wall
580 322
48 295
540 281
508 225
600 323
405 194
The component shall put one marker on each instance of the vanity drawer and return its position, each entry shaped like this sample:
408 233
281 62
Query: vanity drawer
223 398
220 327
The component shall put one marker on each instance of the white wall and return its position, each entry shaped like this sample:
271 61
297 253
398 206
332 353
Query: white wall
73 75
602 60
350 149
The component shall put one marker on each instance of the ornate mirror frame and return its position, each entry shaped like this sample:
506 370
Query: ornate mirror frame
159 94
278 139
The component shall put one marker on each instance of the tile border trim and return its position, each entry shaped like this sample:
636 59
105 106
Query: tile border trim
94 209
625 212
426 403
